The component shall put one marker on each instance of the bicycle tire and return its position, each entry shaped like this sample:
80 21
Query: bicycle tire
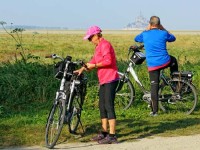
75 112
126 95
54 123
182 97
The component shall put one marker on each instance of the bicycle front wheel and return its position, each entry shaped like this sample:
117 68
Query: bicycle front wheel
55 123
75 113
179 96
125 95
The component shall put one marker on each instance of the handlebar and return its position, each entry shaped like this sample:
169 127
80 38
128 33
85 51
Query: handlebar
136 48
54 56
79 62
48 56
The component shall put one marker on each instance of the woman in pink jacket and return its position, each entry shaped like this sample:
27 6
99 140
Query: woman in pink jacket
104 60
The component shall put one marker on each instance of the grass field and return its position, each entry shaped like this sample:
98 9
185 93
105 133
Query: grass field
27 90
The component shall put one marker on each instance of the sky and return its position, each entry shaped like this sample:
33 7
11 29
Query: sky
107 14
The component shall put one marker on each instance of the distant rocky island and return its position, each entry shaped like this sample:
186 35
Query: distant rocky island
140 23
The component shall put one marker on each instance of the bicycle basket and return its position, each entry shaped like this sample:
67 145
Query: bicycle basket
137 58
58 70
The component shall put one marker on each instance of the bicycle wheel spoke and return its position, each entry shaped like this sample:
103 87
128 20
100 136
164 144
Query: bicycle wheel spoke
74 118
75 114
183 97
54 124
125 96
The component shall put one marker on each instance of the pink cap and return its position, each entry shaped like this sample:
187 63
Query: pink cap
92 31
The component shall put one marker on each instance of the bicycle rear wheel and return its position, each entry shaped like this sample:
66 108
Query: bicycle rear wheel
75 113
55 123
181 96
125 95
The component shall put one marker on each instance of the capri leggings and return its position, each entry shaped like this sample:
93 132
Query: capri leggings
106 100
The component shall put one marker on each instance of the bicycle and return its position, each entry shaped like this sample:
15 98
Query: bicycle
68 102
175 93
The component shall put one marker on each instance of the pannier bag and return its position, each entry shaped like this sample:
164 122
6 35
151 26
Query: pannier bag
138 58
186 75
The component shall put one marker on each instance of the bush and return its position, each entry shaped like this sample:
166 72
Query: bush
24 85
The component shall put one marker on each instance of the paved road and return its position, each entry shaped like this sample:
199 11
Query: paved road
152 143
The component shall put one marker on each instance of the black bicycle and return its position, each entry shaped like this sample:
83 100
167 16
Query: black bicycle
176 93
68 102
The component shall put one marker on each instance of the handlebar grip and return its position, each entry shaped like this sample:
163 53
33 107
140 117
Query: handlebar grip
136 48
84 65
48 56
51 56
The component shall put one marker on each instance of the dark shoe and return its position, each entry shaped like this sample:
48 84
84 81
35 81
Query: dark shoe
153 114
98 137
108 140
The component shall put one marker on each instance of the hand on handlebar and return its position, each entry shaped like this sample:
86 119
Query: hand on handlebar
84 65
79 71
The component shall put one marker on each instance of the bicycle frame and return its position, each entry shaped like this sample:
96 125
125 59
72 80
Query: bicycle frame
64 77
131 70
61 92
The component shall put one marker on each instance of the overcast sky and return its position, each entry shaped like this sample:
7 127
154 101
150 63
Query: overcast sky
108 14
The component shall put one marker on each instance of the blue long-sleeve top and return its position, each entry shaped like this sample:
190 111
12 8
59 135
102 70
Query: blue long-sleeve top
155 46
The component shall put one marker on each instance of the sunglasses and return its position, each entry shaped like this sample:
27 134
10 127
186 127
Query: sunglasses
90 38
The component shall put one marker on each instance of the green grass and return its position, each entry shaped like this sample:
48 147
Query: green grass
29 128
27 90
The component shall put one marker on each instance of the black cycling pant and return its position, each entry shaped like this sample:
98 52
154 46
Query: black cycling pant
155 79
106 100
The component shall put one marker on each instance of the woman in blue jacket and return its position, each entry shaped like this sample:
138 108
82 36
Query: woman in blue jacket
155 38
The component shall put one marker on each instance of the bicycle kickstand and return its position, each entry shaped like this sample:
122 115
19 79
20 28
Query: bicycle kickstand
82 126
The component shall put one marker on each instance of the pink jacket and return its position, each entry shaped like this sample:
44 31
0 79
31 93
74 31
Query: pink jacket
105 54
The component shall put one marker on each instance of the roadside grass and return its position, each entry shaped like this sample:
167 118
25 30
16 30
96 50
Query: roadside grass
29 128
27 91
